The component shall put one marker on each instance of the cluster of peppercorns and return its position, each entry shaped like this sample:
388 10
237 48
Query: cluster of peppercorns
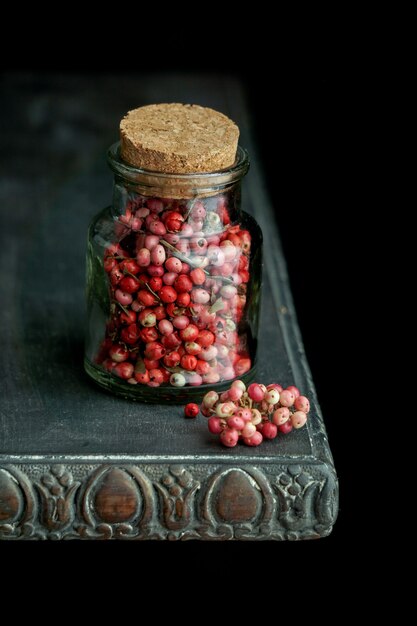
252 414
178 280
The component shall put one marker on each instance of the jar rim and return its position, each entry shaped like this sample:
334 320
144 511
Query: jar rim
193 183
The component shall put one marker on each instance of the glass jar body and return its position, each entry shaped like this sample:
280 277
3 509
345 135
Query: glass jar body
173 285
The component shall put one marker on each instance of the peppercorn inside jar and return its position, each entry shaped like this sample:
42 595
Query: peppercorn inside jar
173 271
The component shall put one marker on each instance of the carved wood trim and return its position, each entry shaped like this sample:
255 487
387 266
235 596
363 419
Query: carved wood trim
167 502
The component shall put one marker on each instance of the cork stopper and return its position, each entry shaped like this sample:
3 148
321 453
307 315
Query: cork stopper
178 139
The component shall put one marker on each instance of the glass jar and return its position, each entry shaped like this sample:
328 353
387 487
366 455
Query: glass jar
173 284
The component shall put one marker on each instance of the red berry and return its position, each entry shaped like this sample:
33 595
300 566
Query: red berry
183 299
274 386
229 437
173 265
130 334
123 370
248 430
198 212
142 377
281 416
151 364
171 341
156 227
147 318
302 404
165 374
165 327
294 390
183 283
159 312
155 270
129 265
205 338
198 245
190 333
172 359
168 294
191 410
255 440
181 321
169 278
149 334
215 425
285 428
118 354
116 275
156 378
298 419
195 380
242 366
158 255
236 422
269 430
245 414
109 263
154 350
123 297
256 393
286 398
202 367
188 362
155 283
192 347
146 297
143 257
128 318
198 276
129 284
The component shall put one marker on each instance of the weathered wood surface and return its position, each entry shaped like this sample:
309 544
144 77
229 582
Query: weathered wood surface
74 461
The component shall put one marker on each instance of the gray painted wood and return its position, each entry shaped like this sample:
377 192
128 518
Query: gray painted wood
53 180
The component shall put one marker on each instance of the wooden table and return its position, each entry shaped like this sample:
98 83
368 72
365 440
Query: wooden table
74 461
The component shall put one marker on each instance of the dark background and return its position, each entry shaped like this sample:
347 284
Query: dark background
303 129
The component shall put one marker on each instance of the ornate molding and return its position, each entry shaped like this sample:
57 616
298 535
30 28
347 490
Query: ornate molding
167 502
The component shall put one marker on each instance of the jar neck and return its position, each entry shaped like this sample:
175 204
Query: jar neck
132 184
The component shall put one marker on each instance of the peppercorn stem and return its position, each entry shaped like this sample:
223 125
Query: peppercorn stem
190 209
185 259
152 292
123 308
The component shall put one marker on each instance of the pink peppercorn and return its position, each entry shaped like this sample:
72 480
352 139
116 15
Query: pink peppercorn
255 392
123 370
285 428
143 257
302 404
198 276
286 398
235 422
229 437
294 390
168 294
118 354
169 278
298 419
183 283
123 297
269 430
255 440
191 410
281 416
165 327
173 265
